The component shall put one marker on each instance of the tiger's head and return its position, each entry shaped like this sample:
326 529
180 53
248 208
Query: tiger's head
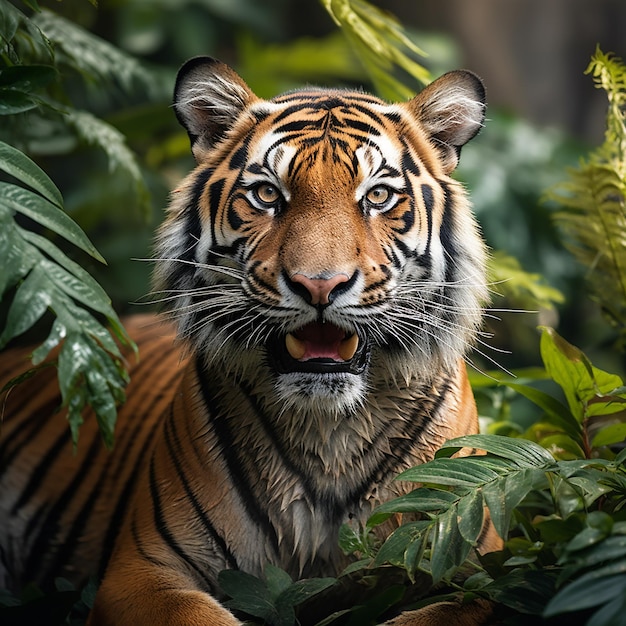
320 244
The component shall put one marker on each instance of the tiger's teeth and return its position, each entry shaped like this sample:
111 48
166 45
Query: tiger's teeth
347 348
295 347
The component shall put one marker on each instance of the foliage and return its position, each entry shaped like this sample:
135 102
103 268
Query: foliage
381 43
593 200
37 275
272 599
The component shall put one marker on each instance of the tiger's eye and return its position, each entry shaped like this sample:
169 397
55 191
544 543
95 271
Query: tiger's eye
378 195
268 194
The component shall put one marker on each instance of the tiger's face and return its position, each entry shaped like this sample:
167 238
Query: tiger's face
320 245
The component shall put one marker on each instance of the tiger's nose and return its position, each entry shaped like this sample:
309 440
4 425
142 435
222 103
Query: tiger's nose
319 291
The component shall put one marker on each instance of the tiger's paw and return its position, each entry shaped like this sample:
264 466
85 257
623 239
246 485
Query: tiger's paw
475 613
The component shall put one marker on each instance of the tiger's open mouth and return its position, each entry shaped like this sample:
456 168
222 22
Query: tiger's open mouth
320 348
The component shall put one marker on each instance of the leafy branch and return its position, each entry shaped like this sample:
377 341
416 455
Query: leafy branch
36 275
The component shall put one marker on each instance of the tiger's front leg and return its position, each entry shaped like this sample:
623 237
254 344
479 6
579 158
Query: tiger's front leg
141 594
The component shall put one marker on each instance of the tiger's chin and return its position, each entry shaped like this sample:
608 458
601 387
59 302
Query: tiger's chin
326 394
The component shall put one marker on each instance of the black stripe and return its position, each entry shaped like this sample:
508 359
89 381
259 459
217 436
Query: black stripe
239 475
193 224
163 530
446 233
41 471
49 528
129 486
175 451
30 427
215 197
429 204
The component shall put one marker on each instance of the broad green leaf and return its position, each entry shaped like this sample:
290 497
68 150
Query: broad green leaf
26 171
470 512
350 541
55 336
614 433
13 102
248 593
572 370
610 549
449 550
10 19
505 494
523 590
417 501
15 260
303 590
459 472
587 592
562 446
47 214
611 614
401 539
277 580
522 452
87 292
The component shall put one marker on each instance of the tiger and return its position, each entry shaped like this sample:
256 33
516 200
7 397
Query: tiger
323 280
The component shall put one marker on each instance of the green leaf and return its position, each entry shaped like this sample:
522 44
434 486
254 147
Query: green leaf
613 433
470 513
13 101
380 42
571 369
586 592
419 500
17 164
248 594
558 414
15 260
402 539
303 590
521 452
525 591
460 472
449 550
30 302
277 580
87 375
26 78
97 132
611 614
47 214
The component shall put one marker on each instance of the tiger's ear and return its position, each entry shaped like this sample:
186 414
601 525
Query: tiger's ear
208 99
452 111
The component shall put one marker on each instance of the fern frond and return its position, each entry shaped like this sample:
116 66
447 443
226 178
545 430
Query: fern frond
593 201
381 43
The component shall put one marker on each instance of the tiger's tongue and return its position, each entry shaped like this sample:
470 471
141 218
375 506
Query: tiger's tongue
321 341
